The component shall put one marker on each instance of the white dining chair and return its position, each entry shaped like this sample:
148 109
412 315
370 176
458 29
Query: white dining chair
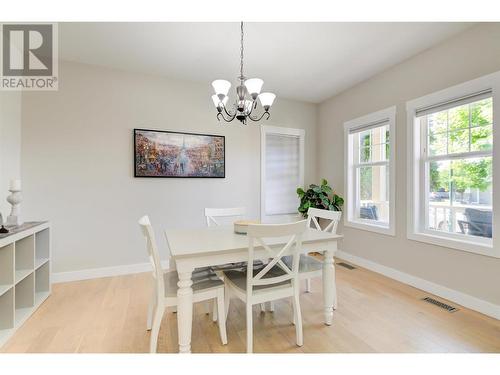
213 217
309 266
206 286
275 280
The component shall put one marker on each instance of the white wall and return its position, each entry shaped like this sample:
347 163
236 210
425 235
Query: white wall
10 144
469 55
77 161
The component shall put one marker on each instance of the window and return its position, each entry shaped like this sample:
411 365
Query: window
370 171
451 180
282 157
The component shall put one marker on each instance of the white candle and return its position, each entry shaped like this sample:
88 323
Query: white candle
15 185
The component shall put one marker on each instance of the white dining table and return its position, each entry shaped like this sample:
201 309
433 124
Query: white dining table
211 246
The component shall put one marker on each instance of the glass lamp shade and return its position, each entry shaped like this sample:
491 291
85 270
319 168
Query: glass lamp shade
266 99
254 85
248 106
218 102
221 87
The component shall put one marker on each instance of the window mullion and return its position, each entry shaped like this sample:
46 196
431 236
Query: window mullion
372 164
461 155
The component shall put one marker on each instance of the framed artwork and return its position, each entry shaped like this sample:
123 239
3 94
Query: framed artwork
159 153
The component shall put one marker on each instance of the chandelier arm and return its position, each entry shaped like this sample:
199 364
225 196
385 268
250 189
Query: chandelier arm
229 119
266 113
229 114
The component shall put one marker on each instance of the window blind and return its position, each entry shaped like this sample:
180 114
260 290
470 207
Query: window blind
368 126
453 103
282 174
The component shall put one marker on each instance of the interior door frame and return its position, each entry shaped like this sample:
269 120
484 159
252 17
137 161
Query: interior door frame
279 130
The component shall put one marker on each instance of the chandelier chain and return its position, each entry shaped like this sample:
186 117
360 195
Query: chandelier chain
241 53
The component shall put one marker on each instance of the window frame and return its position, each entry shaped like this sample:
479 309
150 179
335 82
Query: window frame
389 115
278 130
417 194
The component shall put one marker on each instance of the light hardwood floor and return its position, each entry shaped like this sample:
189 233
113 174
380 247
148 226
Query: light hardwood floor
375 314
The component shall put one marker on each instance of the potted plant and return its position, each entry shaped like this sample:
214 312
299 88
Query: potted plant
319 196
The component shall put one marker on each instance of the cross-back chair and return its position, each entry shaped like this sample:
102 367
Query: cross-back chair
275 280
211 216
206 286
309 266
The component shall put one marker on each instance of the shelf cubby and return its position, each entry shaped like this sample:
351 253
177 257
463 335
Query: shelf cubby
42 247
6 268
6 313
42 283
24 298
24 257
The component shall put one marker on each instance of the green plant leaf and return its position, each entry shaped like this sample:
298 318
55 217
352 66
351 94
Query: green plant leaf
324 182
326 189
317 189
300 192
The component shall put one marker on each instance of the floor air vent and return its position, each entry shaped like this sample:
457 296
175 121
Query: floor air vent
348 266
440 304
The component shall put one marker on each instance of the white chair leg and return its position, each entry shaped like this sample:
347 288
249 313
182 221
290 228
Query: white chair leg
151 309
335 297
149 321
249 328
214 311
297 317
207 308
294 317
221 315
155 329
227 301
271 306
308 285
263 307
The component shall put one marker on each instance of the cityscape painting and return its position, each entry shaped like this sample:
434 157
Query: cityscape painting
170 154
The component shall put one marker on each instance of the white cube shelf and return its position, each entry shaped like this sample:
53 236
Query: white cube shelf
24 274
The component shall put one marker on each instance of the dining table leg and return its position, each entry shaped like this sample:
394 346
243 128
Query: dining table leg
185 311
329 287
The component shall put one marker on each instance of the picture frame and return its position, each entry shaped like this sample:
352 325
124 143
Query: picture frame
172 154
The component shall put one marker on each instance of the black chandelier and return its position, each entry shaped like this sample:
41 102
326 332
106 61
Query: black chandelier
248 91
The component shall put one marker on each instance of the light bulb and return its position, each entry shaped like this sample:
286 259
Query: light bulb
248 106
221 87
218 102
266 100
254 85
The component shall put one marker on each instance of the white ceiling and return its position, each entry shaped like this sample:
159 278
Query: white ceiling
304 61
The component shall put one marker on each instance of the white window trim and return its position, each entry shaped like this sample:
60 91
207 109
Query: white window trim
349 221
266 129
415 231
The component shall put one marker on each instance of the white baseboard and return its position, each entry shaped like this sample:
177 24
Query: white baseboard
94 273
466 300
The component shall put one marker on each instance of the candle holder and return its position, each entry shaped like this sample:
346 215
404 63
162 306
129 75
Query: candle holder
15 199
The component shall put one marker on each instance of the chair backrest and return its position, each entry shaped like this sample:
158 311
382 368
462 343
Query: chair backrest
479 216
480 222
154 255
257 235
313 214
368 212
212 213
